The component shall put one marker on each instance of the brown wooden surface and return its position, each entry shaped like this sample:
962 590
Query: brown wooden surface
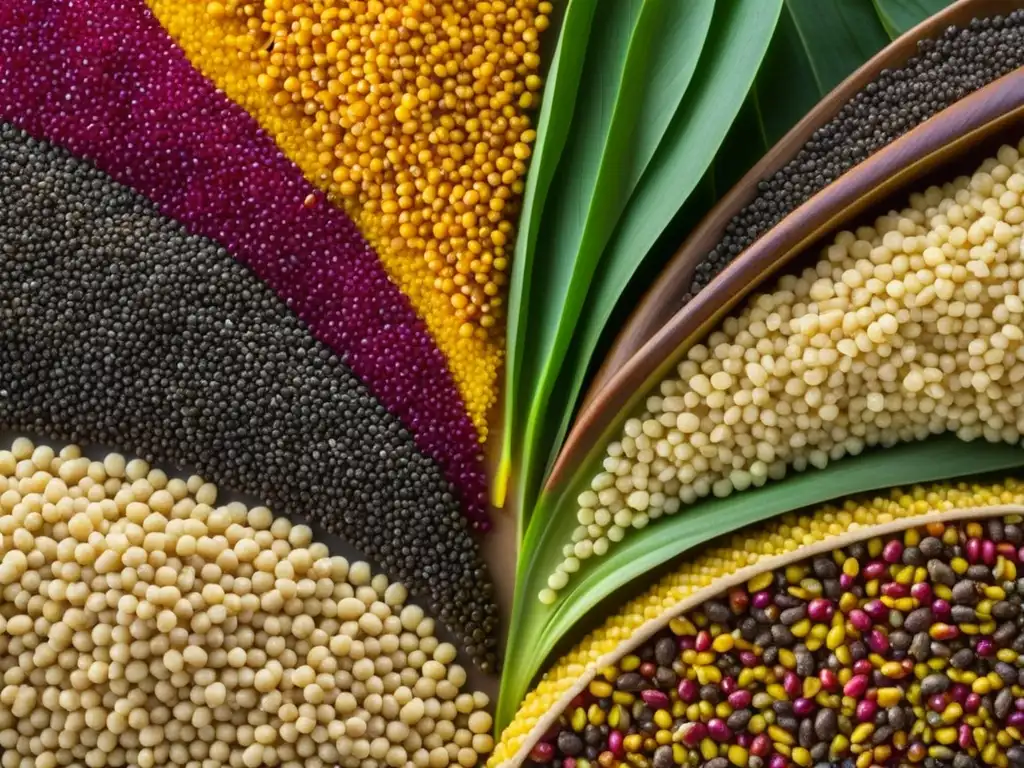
663 298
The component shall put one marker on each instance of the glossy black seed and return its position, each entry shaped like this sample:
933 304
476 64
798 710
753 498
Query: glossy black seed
945 70
118 327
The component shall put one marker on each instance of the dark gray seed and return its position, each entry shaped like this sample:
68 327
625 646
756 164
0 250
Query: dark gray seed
897 718
858 650
920 647
738 720
805 734
825 568
1006 634
900 640
962 659
717 762
1013 533
569 744
663 757
804 662
665 678
1007 672
630 682
785 601
994 530
962 614
791 616
882 735
934 683
965 593
787 723
918 620
979 573
931 547
717 612
914 556
963 760
121 328
1005 610
665 652
1015 755
826 725
941 573
711 694
782 636
819 752
1003 703
941 650
1017 643
945 70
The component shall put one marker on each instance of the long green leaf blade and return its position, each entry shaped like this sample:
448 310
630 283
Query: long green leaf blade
739 36
900 15
556 113
585 202
541 628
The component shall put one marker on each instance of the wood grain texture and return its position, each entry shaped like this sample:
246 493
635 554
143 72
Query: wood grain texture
938 142
664 297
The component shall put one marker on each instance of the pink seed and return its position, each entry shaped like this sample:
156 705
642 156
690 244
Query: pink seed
740 699
878 641
877 610
972 550
542 753
688 690
860 620
615 743
866 710
922 592
820 609
988 552
874 570
964 737
856 687
655 699
692 734
893 551
718 730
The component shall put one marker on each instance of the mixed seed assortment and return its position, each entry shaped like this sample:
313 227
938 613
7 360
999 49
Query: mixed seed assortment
120 328
143 624
904 329
903 649
761 548
157 125
413 114
961 61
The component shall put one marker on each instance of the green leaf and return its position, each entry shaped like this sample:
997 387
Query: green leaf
798 69
900 15
835 37
739 35
592 185
539 629
556 113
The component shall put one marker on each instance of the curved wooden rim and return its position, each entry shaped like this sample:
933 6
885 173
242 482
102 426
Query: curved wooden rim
724 584
948 135
674 280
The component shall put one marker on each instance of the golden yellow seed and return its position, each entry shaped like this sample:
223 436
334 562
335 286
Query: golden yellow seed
422 137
